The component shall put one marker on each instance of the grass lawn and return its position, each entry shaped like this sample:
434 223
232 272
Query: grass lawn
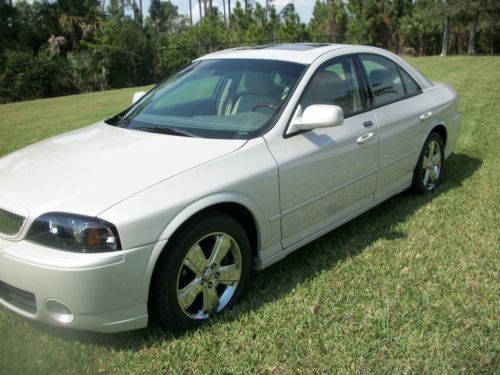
410 287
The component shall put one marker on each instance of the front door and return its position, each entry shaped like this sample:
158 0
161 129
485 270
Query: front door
328 174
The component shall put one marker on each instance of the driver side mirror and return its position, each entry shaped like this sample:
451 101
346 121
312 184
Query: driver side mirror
138 95
316 116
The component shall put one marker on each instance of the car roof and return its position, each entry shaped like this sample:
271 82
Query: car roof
301 53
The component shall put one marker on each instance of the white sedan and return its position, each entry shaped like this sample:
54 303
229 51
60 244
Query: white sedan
231 164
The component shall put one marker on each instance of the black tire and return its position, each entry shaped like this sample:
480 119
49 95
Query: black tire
422 184
171 271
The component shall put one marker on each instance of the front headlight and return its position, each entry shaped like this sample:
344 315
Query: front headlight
74 233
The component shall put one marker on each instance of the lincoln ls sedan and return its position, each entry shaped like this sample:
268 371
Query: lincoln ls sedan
162 211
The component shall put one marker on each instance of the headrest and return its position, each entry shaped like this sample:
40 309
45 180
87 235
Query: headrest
260 83
380 76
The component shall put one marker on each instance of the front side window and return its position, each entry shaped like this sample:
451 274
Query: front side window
384 77
225 98
336 83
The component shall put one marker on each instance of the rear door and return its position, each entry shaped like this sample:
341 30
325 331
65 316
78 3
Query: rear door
403 113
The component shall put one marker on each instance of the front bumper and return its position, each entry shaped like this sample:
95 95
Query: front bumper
105 292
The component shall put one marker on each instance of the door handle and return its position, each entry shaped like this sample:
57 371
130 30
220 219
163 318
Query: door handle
365 138
425 116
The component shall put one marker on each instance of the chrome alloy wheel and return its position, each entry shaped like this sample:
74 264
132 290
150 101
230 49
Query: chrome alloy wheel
209 275
431 165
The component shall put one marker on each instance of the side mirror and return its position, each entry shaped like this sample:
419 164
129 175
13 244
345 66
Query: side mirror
317 116
138 95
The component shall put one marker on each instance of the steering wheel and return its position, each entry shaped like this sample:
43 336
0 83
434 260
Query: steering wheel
263 105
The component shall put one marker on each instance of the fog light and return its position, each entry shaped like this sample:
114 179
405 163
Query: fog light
59 311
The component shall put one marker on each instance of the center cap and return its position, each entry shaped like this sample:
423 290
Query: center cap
208 275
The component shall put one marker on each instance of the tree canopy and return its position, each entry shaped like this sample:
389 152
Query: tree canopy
67 46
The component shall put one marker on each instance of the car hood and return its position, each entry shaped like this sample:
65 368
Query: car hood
90 169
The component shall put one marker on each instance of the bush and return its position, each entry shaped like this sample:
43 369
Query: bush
25 76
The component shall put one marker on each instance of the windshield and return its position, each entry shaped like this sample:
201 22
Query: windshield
226 98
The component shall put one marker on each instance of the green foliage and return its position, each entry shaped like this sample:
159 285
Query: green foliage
85 72
124 51
24 75
329 22
127 50
424 28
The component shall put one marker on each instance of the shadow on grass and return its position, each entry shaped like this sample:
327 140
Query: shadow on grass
302 265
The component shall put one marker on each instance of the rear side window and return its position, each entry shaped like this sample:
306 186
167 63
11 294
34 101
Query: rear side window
388 82
411 87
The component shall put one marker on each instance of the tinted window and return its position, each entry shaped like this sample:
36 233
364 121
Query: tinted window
384 79
410 86
336 83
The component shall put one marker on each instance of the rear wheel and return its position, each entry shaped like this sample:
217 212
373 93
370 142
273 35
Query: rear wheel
202 272
427 174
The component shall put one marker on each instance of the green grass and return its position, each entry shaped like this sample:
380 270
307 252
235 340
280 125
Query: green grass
410 287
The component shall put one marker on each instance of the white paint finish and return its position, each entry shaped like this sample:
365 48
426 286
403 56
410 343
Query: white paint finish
316 116
322 173
401 137
247 177
90 169
88 286
297 56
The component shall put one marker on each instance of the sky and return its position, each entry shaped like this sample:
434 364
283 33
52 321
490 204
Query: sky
303 7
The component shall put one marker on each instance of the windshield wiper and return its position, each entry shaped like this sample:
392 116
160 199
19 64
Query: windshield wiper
164 130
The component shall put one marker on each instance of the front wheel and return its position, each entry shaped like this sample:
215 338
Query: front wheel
429 169
202 272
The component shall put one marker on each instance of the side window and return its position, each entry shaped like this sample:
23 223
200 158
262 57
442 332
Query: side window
383 76
336 83
411 87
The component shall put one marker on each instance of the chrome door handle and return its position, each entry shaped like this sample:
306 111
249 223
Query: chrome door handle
425 116
365 138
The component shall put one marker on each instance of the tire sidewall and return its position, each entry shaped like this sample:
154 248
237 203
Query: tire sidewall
417 183
164 304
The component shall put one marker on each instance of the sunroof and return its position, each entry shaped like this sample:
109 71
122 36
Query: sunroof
291 47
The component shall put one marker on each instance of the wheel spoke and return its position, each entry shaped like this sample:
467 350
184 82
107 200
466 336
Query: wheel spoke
221 247
229 274
426 176
433 175
210 300
436 159
195 260
432 147
188 294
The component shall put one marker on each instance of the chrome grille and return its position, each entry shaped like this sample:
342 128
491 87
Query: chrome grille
10 223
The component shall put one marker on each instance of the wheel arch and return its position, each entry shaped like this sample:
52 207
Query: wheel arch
240 207
441 130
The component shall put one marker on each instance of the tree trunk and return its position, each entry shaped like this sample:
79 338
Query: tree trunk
224 7
142 14
246 5
190 12
228 12
267 7
472 36
444 49
199 6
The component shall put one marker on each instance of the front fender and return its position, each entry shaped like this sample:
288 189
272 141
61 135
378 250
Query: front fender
198 206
